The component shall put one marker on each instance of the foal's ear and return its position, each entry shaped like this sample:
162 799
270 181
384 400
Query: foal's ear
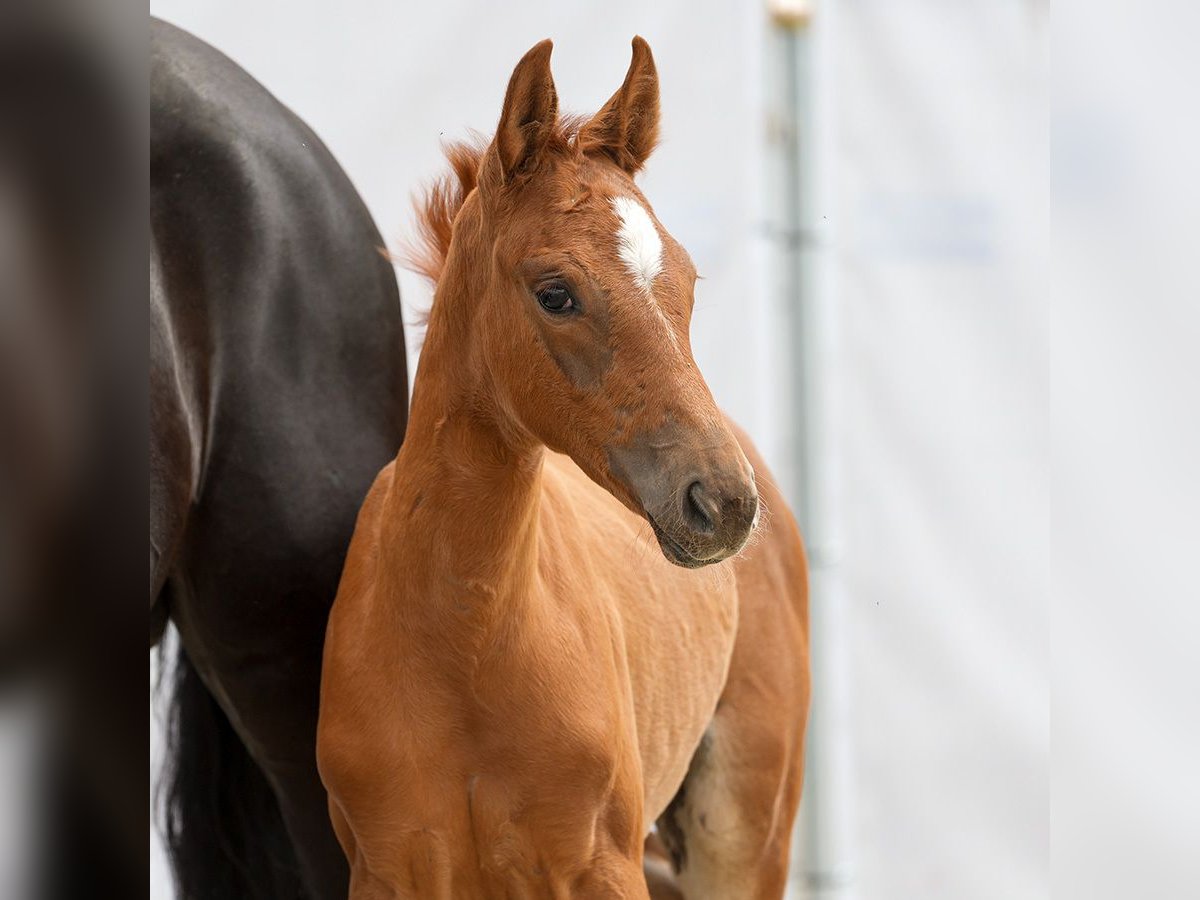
529 117
626 128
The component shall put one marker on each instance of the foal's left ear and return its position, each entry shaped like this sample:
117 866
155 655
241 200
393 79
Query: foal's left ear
529 117
626 127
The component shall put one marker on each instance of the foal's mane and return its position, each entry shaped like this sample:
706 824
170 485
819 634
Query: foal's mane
438 205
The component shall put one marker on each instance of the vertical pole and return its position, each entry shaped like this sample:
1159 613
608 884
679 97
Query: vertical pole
801 212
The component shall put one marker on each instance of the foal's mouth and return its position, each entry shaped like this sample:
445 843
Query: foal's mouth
673 550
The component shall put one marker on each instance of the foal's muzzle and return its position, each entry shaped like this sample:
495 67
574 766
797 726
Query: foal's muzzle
702 506
709 526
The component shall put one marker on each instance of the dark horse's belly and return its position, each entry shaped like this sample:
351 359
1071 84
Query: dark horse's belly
278 391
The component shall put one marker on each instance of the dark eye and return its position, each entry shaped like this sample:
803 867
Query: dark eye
556 298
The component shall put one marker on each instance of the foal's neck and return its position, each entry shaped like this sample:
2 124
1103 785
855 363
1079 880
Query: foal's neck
463 511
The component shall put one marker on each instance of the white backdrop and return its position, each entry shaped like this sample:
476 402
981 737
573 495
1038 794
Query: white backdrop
939 188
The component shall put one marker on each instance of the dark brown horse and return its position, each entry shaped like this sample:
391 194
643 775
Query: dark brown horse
278 389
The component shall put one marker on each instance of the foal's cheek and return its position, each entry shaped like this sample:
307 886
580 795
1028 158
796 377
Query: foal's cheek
580 353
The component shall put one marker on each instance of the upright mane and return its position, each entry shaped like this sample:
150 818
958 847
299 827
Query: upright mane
438 206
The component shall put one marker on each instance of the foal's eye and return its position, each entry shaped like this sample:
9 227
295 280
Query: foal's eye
556 298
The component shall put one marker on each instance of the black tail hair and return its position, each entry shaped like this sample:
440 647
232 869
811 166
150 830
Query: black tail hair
224 833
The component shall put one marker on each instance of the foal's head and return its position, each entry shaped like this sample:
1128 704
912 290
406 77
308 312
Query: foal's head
573 304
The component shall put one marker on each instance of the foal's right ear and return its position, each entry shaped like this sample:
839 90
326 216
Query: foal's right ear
528 119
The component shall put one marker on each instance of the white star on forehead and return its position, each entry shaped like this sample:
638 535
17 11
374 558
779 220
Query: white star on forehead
638 241
641 250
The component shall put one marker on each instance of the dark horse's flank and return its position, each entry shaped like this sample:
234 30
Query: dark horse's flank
277 391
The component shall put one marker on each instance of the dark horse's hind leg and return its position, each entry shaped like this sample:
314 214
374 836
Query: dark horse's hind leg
245 811
224 831
269 706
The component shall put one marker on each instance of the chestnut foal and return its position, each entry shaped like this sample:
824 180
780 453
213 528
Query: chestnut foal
515 687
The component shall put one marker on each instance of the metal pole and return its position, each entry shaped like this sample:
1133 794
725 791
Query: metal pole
800 137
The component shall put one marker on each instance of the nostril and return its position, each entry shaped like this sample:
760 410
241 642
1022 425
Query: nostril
701 509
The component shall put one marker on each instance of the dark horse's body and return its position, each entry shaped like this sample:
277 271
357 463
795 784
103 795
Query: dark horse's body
278 390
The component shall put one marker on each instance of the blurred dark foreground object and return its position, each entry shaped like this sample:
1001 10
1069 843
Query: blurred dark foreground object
72 446
276 343
278 389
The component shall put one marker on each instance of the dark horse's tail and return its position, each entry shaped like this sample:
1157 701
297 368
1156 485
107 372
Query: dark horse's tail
224 833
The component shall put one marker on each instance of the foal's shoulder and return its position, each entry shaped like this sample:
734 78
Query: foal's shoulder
568 490
561 478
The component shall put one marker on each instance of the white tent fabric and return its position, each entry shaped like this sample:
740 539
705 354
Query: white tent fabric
939 186
942 190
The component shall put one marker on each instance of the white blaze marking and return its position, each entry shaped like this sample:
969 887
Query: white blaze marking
640 248
638 241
